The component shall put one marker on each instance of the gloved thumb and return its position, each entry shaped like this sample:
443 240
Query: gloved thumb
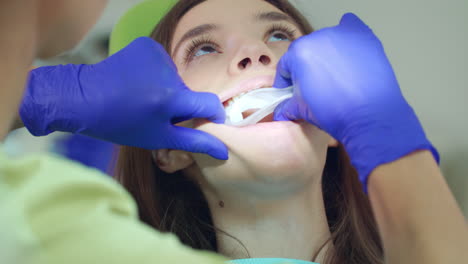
196 141
189 104
287 110
283 73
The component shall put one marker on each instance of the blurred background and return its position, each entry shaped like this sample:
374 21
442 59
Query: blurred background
426 42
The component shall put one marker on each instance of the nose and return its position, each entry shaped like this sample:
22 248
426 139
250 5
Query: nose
252 55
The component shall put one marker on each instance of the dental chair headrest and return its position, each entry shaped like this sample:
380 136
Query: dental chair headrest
139 21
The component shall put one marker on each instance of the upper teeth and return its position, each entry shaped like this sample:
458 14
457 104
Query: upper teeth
243 102
235 98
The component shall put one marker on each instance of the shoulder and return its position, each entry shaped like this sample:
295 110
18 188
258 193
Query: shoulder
49 181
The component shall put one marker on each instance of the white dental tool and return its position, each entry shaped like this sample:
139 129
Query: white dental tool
265 100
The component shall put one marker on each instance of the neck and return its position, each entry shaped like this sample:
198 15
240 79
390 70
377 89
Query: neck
17 52
292 226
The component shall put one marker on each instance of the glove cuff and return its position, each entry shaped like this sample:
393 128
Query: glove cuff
47 102
384 142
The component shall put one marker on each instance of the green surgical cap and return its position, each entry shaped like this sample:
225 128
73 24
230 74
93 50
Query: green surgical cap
139 21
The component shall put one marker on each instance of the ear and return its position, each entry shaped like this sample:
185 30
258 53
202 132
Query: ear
170 160
333 143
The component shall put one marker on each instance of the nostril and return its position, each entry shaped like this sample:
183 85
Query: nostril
265 60
244 63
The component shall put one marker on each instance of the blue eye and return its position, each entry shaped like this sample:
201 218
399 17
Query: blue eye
279 32
200 47
204 50
278 37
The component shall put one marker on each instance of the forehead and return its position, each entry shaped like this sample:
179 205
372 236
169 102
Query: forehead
223 12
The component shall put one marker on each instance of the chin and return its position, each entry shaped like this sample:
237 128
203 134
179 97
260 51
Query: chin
280 153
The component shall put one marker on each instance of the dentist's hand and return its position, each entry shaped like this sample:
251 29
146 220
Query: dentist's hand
132 98
345 85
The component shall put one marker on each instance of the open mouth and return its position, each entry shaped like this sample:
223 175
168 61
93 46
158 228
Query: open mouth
230 101
253 101
266 119
240 107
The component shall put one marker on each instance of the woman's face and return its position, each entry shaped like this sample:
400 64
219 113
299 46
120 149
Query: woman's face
227 47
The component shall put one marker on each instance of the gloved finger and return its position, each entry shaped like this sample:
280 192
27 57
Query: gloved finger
286 111
283 73
188 105
196 141
290 110
353 22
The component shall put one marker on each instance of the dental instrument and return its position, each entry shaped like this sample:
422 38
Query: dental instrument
264 101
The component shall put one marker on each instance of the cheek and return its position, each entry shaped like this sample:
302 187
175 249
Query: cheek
279 49
204 75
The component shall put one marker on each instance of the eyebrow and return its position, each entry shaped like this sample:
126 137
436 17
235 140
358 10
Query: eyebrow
207 28
273 17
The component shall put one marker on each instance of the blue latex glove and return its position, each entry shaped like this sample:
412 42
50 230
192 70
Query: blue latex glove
88 151
345 85
132 98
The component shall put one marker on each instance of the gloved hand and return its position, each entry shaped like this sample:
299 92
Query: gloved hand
132 98
345 85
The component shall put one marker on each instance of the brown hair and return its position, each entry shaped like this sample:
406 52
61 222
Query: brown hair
173 203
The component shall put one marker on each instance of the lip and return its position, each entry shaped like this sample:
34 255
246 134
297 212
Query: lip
267 129
246 86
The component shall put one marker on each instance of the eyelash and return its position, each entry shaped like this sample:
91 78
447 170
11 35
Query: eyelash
206 40
290 32
195 45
